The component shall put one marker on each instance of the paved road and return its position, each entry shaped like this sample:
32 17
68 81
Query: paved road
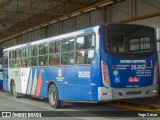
78 111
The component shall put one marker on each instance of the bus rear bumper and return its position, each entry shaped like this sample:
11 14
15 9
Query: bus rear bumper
127 93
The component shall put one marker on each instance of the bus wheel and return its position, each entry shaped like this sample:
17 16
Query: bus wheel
53 97
13 90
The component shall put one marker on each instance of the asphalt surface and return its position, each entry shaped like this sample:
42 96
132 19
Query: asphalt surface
76 111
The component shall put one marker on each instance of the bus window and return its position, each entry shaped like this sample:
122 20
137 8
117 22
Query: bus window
68 58
5 63
5 59
24 57
85 42
52 47
85 49
33 56
127 41
11 54
33 51
143 43
84 57
43 55
57 47
1 62
18 58
54 57
67 52
12 59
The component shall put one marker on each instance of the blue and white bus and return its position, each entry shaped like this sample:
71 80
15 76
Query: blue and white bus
97 64
1 69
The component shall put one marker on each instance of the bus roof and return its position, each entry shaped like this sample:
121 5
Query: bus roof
55 38
71 34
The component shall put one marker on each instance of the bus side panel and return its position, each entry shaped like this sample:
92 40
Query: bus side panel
72 82
45 75
77 80
96 75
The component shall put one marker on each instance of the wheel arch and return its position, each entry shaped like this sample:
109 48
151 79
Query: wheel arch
51 83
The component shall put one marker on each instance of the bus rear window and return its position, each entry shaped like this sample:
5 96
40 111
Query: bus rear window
129 40
139 44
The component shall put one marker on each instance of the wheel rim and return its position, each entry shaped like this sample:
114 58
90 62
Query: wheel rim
53 97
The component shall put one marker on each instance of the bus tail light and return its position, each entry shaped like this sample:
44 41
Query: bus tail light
105 74
155 91
156 76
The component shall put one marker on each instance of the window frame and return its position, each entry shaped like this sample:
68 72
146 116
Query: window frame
30 56
94 35
19 58
25 57
127 54
43 55
5 56
139 44
69 38
12 58
53 53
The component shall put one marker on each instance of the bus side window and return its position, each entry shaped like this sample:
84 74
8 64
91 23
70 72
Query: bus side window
32 55
1 62
18 58
68 52
85 49
12 59
24 57
43 54
5 59
54 53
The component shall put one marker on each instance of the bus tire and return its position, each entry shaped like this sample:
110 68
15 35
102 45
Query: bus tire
13 90
53 97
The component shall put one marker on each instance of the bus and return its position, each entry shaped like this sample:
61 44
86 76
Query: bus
97 64
1 69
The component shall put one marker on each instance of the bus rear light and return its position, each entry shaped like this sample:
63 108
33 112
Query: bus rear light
155 91
156 76
107 25
105 74
104 93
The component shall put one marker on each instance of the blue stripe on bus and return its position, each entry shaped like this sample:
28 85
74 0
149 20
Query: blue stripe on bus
1 81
